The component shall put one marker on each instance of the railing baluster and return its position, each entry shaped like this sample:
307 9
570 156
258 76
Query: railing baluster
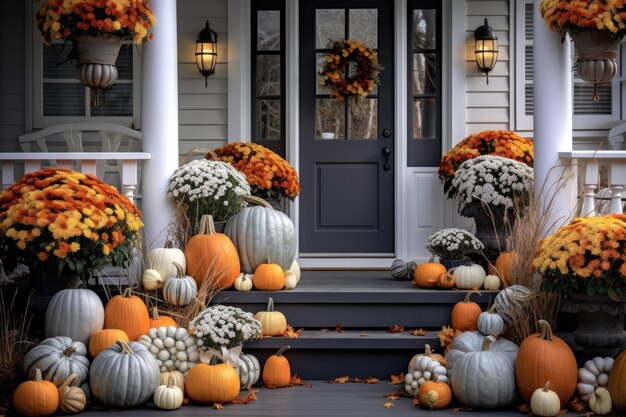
8 173
617 179
590 183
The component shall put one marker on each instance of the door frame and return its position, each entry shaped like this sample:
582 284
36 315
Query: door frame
239 123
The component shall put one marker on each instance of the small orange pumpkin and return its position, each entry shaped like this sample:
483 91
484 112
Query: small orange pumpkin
277 372
269 277
102 339
504 266
36 398
435 395
465 314
129 313
445 281
159 321
212 383
426 274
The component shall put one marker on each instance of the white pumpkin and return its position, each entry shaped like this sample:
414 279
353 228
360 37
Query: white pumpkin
172 347
249 370
490 322
595 373
161 260
492 282
467 277
290 280
509 298
180 289
75 313
243 282
152 280
58 358
600 402
545 402
168 397
295 268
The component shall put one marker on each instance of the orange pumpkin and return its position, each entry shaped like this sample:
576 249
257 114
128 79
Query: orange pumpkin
445 281
426 274
212 383
465 314
269 277
504 266
212 256
158 321
129 313
544 357
435 395
36 398
277 372
102 339
617 383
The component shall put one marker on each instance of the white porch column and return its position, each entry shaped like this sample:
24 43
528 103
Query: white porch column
555 189
159 119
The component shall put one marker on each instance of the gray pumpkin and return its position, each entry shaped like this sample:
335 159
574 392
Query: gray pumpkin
75 313
482 370
490 322
180 289
124 375
58 358
403 271
509 298
249 370
260 233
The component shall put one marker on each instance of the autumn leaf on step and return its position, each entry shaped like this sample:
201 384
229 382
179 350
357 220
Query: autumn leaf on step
562 412
389 405
415 402
323 330
372 380
357 380
218 406
447 335
395 329
249 398
524 408
397 379
338 329
289 332
418 332
579 407
341 380
399 394
185 401
296 381
392 397
462 408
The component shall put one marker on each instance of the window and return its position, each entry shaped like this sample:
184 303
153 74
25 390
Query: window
268 74
424 120
588 114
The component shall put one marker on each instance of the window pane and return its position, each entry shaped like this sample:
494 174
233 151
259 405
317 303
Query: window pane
424 29
424 73
116 100
55 63
583 99
268 119
330 119
330 27
320 60
364 26
268 75
425 118
63 99
268 26
364 119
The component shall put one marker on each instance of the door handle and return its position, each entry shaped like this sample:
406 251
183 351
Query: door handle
386 153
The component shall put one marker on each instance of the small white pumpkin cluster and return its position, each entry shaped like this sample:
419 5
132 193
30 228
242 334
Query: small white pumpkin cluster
422 368
172 347
594 374
244 282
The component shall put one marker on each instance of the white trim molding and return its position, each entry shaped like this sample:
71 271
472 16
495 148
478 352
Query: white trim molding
239 77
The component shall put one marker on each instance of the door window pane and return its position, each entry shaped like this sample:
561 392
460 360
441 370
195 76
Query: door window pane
424 29
268 75
364 26
330 26
268 119
364 119
330 119
424 73
424 118
268 30
320 60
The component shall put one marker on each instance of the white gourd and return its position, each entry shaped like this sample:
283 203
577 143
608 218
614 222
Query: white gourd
152 280
168 349
424 369
492 282
243 282
600 402
295 268
467 277
290 280
168 397
161 260
545 402
249 370
594 373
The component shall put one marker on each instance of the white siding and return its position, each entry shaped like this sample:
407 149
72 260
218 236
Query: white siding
488 105
202 112
12 69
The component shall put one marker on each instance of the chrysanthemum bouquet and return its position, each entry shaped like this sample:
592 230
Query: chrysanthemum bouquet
453 243
224 326
62 19
208 187
565 16
587 255
65 223
494 181
269 175
488 142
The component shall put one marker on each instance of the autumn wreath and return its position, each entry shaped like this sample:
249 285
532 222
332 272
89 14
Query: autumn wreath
351 70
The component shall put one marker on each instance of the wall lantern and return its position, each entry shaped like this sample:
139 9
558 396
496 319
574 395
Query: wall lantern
486 48
206 52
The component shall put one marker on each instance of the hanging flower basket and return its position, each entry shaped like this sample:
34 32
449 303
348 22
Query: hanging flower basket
96 57
597 57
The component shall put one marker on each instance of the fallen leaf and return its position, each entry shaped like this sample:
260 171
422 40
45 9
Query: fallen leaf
395 329
249 398
372 380
462 408
398 394
357 380
296 381
524 408
362 334
562 412
397 379
218 406
415 402
338 329
392 397
577 406
341 380
289 332
389 405
447 335
186 400
323 330
418 332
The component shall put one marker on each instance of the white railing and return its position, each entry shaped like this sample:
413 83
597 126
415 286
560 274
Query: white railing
597 201
84 162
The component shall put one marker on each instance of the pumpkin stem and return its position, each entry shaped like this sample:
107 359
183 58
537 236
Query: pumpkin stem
427 350
128 292
492 309
257 201
468 295
487 341
268 260
546 387
207 227
432 398
170 381
546 330
169 244
126 350
270 305
69 350
68 381
38 377
282 350
432 259
179 269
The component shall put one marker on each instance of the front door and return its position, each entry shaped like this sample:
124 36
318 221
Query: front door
346 148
